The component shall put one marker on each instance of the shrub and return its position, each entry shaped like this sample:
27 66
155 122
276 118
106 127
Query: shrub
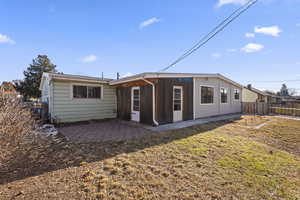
16 130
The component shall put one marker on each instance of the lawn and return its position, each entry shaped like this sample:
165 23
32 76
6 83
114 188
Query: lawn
223 160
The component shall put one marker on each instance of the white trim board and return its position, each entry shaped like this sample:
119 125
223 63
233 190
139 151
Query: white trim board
172 75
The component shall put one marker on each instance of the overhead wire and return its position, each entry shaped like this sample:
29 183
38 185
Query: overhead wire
220 27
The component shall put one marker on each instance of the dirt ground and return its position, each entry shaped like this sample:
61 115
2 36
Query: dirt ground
220 160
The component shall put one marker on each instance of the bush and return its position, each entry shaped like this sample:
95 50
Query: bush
16 130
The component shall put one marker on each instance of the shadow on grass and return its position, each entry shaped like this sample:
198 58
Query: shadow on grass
60 154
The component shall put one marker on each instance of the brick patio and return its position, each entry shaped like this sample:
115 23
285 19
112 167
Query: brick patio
115 130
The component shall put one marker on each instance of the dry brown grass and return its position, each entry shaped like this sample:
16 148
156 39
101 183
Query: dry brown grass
219 160
251 120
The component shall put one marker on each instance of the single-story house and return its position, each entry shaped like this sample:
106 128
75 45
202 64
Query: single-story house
150 98
8 87
252 95
74 98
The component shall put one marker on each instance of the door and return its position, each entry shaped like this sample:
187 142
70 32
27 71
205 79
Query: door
177 103
135 104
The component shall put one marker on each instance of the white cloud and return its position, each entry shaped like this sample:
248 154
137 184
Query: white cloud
89 59
298 63
271 30
127 74
298 24
6 39
231 50
149 22
249 35
216 55
237 2
252 47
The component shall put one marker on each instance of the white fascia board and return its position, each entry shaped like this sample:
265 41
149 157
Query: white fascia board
172 75
160 75
78 79
44 76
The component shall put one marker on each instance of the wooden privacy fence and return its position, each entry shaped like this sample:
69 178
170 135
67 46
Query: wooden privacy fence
279 110
266 108
255 108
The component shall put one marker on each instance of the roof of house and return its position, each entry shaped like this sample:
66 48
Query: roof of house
258 91
69 77
171 75
77 77
7 86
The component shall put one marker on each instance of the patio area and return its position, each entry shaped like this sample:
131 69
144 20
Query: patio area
119 130
111 130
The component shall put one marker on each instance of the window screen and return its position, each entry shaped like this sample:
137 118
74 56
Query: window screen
94 92
177 99
84 92
79 91
136 100
236 94
224 95
207 95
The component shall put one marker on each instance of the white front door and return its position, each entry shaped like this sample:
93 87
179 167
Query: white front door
177 103
135 104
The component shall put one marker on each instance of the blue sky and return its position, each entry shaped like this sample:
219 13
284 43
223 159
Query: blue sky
134 36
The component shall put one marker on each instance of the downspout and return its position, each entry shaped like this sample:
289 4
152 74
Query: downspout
153 101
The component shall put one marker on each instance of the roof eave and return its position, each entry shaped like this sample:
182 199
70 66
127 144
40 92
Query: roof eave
171 75
79 79
44 75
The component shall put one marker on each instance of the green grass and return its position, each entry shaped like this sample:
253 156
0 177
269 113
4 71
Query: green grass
248 165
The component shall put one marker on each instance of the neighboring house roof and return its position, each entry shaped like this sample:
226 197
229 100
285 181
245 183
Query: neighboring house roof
257 91
69 77
7 87
171 75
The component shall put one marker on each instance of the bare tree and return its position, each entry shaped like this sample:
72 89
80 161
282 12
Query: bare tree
292 92
16 129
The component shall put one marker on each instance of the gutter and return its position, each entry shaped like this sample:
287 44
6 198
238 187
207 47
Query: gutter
153 101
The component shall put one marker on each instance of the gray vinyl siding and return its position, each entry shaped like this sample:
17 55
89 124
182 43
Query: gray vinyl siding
67 109
217 108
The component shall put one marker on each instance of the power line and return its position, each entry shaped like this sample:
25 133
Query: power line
220 27
276 81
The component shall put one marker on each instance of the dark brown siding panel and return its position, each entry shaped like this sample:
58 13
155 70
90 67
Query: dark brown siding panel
146 104
164 110
188 100
124 103
164 99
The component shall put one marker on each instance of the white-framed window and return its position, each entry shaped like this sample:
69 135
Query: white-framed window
87 92
224 95
236 93
177 98
136 99
207 94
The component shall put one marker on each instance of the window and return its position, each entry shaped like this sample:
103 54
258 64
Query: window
177 99
136 100
224 95
207 95
236 94
79 91
94 92
84 92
